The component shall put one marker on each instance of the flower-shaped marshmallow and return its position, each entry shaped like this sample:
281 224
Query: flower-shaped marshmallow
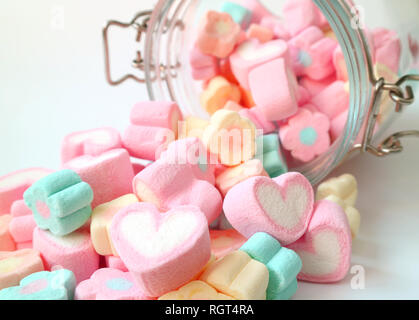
44 285
218 35
306 135
231 137
60 202
109 284
312 54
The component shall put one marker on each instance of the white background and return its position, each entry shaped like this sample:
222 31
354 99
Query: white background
52 83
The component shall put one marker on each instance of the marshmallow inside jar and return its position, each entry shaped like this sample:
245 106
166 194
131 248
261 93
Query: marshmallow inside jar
312 74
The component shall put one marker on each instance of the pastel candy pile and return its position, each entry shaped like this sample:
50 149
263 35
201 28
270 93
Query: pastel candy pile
283 68
109 284
60 202
44 285
179 207
283 265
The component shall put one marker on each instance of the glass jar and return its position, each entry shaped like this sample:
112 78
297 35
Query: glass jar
171 30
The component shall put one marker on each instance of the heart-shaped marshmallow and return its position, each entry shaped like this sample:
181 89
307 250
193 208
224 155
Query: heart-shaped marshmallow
325 249
251 54
163 251
281 207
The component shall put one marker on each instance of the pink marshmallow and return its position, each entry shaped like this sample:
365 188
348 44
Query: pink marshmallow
314 87
192 153
13 185
337 125
277 26
109 175
74 252
156 114
325 249
333 100
19 209
23 223
301 14
218 34
109 284
146 142
24 245
251 54
204 67
225 241
312 54
340 65
387 47
170 185
163 251
263 34
91 142
281 207
304 96
6 241
115 263
259 120
278 103
306 135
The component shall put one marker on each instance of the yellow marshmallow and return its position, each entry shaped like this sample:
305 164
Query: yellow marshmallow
353 215
102 217
217 93
238 276
192 127
234 175
344 187
195 290
230 137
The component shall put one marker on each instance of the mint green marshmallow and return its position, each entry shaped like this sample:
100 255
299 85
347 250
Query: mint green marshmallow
66 197
269 152
240 14
283 264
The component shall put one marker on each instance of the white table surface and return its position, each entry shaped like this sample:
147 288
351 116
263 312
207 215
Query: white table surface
52 83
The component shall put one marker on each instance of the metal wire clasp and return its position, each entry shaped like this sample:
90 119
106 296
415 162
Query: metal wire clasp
139 22
402 98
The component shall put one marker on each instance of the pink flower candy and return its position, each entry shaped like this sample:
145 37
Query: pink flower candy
109 284
219 34
306 134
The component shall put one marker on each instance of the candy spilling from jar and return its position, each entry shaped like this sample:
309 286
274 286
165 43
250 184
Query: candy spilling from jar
287 75
192 224
215 214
